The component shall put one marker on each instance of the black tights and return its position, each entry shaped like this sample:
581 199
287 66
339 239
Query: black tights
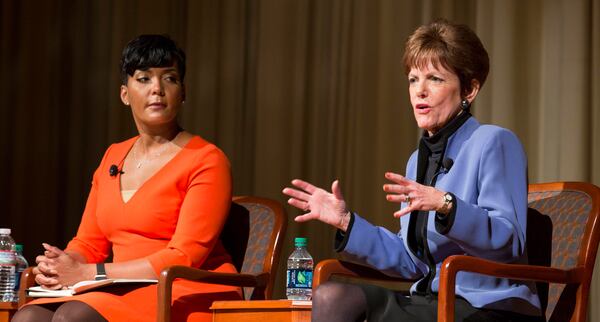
65 312
333 301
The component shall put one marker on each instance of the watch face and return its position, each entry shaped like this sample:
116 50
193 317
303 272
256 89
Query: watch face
448 197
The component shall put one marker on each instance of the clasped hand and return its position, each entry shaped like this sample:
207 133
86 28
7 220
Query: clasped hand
330 208
56 269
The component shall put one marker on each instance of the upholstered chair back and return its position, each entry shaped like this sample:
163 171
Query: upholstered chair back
561 235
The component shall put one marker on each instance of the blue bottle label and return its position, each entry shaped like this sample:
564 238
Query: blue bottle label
18 278
299 278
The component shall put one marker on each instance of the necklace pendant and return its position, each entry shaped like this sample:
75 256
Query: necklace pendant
139 165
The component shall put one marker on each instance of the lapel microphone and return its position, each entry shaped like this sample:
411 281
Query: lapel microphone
113 171
447 164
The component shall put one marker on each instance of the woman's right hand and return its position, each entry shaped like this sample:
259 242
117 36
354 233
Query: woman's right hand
327 207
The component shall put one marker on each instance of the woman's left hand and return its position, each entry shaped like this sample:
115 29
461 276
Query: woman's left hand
416 195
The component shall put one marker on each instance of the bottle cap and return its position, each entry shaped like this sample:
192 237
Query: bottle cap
5 231
300 241
19 248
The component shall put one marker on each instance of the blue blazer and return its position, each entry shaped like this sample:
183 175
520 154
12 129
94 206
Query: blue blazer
489 180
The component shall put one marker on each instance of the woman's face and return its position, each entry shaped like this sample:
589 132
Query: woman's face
155 95
434 96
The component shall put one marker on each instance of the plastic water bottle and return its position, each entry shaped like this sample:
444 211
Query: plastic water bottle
299 272
8 263
21 265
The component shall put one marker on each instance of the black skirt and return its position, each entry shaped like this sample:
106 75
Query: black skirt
385 305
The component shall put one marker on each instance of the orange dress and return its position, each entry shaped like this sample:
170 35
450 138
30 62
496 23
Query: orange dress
174 218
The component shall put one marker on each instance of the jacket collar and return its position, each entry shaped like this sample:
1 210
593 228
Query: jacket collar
461 135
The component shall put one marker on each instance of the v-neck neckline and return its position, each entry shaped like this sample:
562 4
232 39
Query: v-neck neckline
155 174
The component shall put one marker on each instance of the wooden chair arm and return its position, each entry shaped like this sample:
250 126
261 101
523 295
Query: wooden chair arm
326 268
169 274
453 264
27 281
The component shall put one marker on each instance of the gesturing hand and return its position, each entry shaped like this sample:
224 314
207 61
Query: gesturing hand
416 195
329 208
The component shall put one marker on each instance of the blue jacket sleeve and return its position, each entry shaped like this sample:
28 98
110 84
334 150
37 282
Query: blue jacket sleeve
493 226
379 248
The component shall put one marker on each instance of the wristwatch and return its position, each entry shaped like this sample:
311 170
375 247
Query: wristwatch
447 198
100 272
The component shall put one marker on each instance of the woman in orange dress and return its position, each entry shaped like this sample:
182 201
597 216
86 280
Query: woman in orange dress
158 199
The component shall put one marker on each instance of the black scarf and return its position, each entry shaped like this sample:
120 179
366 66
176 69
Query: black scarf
430 157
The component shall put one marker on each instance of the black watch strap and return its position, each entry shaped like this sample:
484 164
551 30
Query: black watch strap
100 272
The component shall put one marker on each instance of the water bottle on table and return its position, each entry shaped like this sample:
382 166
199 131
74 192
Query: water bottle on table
299 272
21 265
8 262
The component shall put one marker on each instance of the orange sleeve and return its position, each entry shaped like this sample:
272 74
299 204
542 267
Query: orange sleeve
202 215
90 242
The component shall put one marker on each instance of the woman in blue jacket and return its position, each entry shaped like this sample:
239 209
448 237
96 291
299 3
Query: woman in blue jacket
465 192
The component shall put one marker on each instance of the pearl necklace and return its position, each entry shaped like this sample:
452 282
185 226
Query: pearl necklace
153 156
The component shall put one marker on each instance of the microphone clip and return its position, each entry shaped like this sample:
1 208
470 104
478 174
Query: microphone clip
113 171
445 167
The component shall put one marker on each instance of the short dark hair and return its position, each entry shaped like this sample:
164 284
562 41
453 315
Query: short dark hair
456 47
147 51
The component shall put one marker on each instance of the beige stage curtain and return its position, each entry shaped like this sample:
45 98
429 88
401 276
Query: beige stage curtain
311 89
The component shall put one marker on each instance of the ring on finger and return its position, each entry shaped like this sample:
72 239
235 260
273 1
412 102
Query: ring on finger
407 199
